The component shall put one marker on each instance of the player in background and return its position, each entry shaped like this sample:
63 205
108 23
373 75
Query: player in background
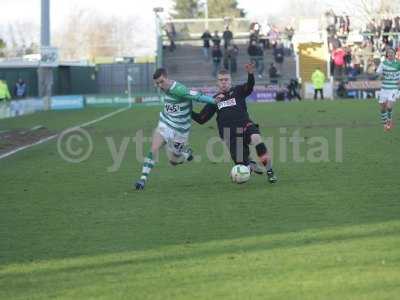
390 73
174 124
234 124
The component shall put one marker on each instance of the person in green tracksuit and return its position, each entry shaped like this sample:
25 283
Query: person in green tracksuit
318 80
4 92
174 124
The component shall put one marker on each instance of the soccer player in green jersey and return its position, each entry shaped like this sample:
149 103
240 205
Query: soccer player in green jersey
390 72
174 124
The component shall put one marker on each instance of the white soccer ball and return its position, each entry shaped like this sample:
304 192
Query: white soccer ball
240 174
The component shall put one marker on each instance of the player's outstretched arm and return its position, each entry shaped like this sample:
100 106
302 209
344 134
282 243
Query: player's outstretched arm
182 91
198 96
247 88
205 114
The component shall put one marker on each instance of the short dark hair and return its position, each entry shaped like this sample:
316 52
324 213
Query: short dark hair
224 72
160 72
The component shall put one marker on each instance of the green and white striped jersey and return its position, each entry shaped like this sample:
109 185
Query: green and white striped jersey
178 106
391 74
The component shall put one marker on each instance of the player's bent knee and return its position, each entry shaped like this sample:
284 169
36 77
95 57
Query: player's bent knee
255 139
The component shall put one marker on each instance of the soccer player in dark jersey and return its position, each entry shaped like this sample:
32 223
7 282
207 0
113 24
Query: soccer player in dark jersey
234 124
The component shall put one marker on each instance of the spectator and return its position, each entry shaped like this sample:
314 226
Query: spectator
4 92
171 34
206 37
216 39
273 74
347 24
279 56
280 93
256 57
255 31
347 58
356 58
216 57
230 62
292 89
273 36
264 40
318 81
338 60
20 89
227 37
341 90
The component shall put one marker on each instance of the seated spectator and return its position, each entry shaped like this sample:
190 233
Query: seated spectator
341 90
273 74
280 94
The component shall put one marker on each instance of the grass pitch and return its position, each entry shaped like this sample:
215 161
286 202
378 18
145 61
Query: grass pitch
329 229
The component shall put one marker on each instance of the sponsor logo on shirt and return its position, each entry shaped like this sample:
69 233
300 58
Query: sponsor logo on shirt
226 103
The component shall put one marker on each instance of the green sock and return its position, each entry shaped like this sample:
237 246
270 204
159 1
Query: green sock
389 114
384 117
147 166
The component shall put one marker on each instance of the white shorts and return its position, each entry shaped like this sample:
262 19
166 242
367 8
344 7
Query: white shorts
388 95
175 140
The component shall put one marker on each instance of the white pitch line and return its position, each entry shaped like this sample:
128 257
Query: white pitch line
49 138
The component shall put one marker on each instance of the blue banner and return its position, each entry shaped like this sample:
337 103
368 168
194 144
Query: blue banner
67 102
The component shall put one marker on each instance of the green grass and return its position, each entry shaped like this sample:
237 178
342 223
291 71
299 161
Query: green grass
327 230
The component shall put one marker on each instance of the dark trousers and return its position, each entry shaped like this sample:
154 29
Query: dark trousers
321 91
293 94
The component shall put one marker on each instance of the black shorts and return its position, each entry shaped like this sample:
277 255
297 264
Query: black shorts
238 138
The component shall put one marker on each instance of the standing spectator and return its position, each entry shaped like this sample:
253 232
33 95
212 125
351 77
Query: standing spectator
338 60
347 58
231 58
216 39
387 27
318 81
279 56
20 89
273 36
342 25
256 57
273 74
171 34
356 58
4 92
216 57
206 37
253 36
264 39
292 89
227 37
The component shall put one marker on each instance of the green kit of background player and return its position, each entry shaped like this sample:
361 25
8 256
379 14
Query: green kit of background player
390 72
174 125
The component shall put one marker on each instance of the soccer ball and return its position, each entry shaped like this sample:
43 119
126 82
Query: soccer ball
240 174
